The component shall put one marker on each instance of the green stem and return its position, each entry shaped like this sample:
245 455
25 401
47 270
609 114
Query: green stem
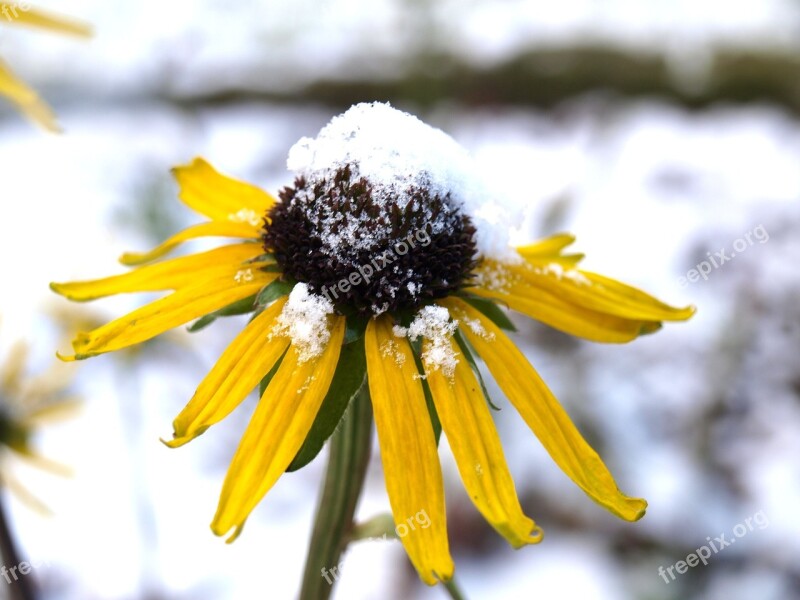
344 477
19 584
453 591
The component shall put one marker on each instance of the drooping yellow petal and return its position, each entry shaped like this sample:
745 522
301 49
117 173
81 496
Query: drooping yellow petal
632 301
569 318
473 438
237 372
408 450
26 99
212 229
544 415
591 291
277 430
168 275
34 17
219 197
157 317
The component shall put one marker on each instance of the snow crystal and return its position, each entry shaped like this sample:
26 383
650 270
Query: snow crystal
390 348
306 384
478 329
304 319
397 152
560 272
494 277
434 325
244 276
246 215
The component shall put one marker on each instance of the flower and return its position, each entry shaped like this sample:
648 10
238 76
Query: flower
26 403
26 99
378 261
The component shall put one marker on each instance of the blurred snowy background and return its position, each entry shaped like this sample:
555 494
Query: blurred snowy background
658 132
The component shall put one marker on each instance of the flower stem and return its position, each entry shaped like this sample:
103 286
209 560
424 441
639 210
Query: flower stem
453 590
344 477
19 585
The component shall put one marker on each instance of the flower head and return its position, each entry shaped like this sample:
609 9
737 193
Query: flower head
24 97
25 403
379 260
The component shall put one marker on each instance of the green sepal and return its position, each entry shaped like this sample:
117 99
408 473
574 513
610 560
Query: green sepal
240 307
416 347
349 379
355 327
435 422
466 350
14 435
490 310
273 268
262 386
273 291
260 258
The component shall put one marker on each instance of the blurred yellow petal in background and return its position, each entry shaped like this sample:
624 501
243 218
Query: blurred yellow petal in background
24 97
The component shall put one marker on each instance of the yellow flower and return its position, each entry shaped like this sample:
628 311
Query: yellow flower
26 99
371 266
25 403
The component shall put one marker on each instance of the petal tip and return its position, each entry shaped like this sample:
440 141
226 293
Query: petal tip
535 536
66 358
175 442
131 259
220 531
636 509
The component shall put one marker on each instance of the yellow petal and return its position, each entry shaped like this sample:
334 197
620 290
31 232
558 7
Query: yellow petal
168 275
43 19
157 317
12 368
473 438
633 301
408 450
569 318
549 250
64 408
219 197
212 229
276 431
23 494
549 246
595 292
26 99
42 462
237 372
544 415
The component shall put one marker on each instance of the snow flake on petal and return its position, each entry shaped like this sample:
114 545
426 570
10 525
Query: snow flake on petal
304 319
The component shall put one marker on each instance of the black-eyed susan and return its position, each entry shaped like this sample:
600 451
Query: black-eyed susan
17 91
26 402
378 265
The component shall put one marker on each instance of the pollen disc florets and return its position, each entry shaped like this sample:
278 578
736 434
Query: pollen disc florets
369 249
